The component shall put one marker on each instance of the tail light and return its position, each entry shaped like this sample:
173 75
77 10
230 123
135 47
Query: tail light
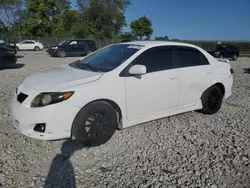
231 70
10 52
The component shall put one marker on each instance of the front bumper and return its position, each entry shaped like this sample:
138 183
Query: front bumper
228 84
57 117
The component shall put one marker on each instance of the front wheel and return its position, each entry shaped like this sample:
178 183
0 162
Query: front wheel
234 57
95 124
62 54
211 100
221 56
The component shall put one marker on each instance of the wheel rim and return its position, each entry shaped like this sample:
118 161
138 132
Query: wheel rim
214 99
62 54
97 125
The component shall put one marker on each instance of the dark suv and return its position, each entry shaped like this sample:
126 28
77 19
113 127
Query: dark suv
228 51
72 47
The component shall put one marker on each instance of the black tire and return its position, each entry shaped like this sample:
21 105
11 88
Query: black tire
221 56
211 100
16 48
61 54
36 48
95 124
234 57
1 64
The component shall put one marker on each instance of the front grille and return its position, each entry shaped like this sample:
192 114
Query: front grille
21 97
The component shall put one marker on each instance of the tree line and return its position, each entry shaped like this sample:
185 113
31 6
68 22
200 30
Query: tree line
95 19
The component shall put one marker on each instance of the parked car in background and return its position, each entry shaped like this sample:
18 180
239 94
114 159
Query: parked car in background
29 45
225 51
118 86
73 47
7 56
50 46
4 43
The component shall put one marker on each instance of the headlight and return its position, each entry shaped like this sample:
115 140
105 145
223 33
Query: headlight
44 99
54 48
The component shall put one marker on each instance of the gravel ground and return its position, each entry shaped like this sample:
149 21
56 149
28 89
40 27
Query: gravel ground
187 150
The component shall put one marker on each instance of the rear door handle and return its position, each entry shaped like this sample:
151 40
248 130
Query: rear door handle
209 72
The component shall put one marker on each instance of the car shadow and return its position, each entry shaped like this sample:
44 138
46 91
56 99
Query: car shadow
61 172
247 70
14 66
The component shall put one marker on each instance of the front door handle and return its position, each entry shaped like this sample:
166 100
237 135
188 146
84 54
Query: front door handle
209 72
173 77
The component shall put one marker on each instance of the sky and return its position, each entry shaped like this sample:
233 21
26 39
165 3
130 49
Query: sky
193 19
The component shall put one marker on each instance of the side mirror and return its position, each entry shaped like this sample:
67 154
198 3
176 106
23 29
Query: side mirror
137 70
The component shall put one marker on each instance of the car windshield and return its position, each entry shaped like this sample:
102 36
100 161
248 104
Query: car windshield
108 58
63 42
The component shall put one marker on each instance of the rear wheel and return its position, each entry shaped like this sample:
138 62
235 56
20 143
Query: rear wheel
89 52
234 57
221 56
62 54
16 48
1 63
36 48
95 124
211 100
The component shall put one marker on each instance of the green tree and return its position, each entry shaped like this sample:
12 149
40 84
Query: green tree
142 27
43 16
162 38
64 23
127 37
102 18
3 28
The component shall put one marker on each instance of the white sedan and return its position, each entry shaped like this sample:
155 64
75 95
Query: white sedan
29 45
119 86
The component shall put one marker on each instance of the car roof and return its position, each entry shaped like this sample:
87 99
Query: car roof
152 43
81 39
30 40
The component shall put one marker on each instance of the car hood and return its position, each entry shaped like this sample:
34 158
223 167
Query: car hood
59 78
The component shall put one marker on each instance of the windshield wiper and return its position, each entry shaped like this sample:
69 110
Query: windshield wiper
88 66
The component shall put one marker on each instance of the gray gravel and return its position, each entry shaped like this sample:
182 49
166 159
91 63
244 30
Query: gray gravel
187 150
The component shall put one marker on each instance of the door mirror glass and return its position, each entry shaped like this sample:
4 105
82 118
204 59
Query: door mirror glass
137 70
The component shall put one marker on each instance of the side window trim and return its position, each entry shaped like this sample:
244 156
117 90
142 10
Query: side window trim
125 73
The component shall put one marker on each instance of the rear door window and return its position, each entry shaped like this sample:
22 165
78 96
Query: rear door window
30 42
82 42
189 57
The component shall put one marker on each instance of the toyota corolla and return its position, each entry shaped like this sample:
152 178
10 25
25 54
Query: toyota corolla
118 86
